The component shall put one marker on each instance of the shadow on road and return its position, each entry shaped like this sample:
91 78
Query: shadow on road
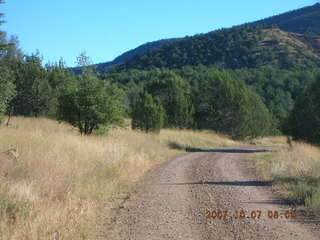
233 183
177 146
306 219
226 150
273 202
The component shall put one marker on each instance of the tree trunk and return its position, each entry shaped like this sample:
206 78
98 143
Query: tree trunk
9 117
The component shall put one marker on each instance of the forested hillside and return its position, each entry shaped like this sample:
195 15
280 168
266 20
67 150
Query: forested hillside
239 47
304 20
103 67
132 53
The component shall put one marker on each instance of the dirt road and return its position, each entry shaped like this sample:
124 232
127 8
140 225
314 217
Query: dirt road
174 200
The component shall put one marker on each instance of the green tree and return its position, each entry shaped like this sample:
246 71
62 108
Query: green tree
147 113
304 120
58 77
84 63
175 95
3 45
228 106
7 89
12 53
33 89
90 104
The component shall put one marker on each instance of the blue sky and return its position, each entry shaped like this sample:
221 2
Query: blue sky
107 28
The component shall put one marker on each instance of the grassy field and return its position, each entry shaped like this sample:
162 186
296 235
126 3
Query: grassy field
294 172
56 184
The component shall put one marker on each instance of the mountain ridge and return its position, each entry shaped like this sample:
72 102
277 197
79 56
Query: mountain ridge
239 47
304 20
295 21
128 55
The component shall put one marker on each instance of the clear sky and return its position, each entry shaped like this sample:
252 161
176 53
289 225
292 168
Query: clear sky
107 28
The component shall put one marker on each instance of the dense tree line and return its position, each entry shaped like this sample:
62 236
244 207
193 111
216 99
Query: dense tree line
278 88
199 98
154 99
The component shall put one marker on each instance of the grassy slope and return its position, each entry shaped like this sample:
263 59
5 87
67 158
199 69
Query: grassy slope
63 185
294 171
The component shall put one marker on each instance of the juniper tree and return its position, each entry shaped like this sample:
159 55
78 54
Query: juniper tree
175 95
147 113
304 120
90 103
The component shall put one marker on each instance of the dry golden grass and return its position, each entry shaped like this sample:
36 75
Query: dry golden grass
61 186
299 161
295 172
274 140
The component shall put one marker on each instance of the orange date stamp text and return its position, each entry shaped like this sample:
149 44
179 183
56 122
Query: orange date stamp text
252 214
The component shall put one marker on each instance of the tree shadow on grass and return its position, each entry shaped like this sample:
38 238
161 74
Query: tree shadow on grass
176 146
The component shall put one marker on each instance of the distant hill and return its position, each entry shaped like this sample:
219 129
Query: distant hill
101 67
295 43
304 20
234 48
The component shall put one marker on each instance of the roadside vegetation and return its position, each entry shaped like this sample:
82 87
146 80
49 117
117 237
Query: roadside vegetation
294 171
57 184
304 121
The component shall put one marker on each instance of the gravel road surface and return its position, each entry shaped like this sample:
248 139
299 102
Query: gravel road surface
175 199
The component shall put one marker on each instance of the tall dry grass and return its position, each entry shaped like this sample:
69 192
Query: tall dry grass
295 172
62 185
